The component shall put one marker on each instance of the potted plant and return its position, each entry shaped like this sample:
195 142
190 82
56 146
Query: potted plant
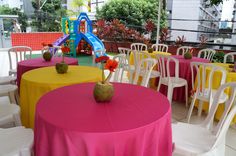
103 91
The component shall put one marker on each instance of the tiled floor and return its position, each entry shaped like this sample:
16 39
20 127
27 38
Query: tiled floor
179 110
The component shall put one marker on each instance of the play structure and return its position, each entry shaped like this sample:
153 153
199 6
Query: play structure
78 36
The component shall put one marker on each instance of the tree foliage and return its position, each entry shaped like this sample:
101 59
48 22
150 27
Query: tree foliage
133 13
49 16
216 2
77 5
14 11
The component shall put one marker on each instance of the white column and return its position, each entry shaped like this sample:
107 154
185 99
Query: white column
158 21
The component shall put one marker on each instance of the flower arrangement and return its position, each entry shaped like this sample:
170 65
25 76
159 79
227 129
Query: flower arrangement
65 50
110 65
62 67
103 91
180 41
47 56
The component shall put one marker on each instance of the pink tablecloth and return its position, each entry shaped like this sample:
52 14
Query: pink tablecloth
184 72
137 122
35 63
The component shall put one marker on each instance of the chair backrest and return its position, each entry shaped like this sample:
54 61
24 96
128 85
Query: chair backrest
53 50
138 47
206 54
17 54
144 68
165 63
160 47
125 51
121 58
182 50
204 74
138 56
229 112
229 56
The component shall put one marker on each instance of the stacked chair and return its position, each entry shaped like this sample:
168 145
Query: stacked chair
204 92
164 65
205 139
17 54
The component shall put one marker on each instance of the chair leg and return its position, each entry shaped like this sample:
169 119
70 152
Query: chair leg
17 119
11 96
159 85
186 95
170 93
131 77
190 111
200 108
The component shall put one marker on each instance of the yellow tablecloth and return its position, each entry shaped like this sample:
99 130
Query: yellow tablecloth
153 55
36 83
230 77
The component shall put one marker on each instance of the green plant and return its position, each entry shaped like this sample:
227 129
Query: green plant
164 35
133 13
47 17
219 57
116 31
180 40
4 10
203 40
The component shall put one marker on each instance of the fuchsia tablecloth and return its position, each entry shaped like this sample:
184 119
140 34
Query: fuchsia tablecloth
137 122
35 63
184 72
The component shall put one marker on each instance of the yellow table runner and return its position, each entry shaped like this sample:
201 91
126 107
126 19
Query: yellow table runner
230 77
36 83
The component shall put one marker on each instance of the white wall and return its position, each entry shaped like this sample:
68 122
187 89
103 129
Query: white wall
185 9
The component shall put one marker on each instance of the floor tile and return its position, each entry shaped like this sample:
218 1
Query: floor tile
229 151
231 138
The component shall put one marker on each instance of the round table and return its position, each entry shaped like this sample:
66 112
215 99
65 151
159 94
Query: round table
35 63
136 122
184 72
37 82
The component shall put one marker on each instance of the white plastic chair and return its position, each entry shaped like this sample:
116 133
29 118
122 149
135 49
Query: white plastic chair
182 50
16 141
138 47
230 56
160 47
206 54
127 66
144 69
206 139
122 64
7 80
53 50
140 55
203 92
19 53
11 91
168 80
